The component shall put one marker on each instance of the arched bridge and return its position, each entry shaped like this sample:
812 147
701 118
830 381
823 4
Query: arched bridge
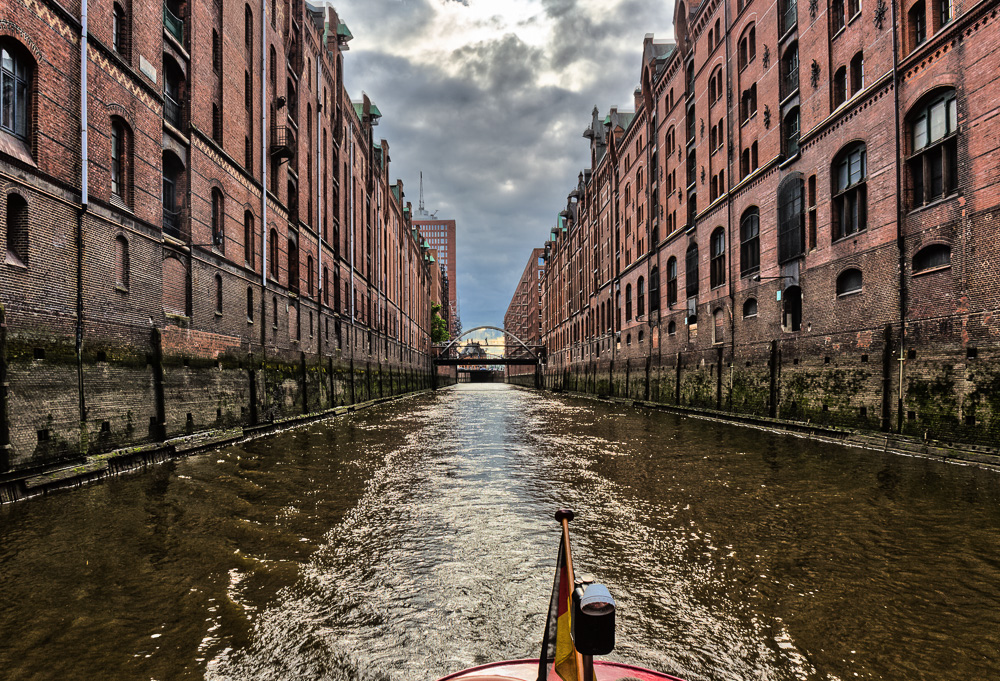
526 355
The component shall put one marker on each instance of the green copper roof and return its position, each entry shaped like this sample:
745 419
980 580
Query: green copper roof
375 111
344 32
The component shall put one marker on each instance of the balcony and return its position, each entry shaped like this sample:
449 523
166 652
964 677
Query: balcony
282 142
172 224
173 24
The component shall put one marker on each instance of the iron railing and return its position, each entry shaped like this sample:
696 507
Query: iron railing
172 223
172 111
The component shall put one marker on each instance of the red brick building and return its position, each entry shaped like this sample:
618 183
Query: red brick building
219 244
442 235
524 314
796 221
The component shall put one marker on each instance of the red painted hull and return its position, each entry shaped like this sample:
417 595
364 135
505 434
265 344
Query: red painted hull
527 670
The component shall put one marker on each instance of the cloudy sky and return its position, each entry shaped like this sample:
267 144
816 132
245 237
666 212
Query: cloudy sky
489 98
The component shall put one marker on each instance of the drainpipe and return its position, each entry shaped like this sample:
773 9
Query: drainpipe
729 206
319 186
900 241
263 198
84 194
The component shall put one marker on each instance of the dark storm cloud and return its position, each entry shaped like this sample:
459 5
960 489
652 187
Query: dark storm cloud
498 149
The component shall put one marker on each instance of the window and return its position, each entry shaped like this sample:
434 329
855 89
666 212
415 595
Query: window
750 308
748 103
640 303
628 303
216 123
849 282
944 12
853 8
840 87
250 303
120 31
216 52
918 25
791 302
654 289
836 16
789 16
273 253
309 276
932 257
248 28
857 73
121 262
173 85
933 165
218 294
691 271
790 71
172 171
671 282
672 328
248 238
718 326
850 197
717 264
748 47
790 130
218 221
15 93
715 89
750 242
790 222
119 159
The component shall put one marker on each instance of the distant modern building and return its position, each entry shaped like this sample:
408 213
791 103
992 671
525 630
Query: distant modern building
524 314
440 234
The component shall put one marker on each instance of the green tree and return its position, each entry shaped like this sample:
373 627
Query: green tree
439 327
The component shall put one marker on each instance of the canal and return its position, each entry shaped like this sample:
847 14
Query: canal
416 538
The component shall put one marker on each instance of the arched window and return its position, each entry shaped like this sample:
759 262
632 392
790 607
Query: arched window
640 301
790 133
849 281
248 28
293 265
791 303
173 93
933 257
120 31
272 253
748 46
917 30
671 281
628 303
717 265
715 88
790 69
248 238
172 195
16 68
933 164
628 340
309 276
17 230
218 294
858 72
218 221
840 87
654 289
850 194
718 326
750 242
120 160
250 303
121 262
272 62
174 287
691 271
837 15
672 328
750 308
788 16
791 237
326 285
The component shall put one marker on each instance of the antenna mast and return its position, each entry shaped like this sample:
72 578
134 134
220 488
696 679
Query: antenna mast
421 192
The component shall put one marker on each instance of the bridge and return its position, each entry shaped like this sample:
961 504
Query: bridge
446 354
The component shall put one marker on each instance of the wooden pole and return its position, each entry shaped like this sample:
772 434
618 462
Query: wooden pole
564 516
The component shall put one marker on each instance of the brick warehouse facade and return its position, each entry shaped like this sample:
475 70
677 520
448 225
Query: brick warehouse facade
798 221
239 254
524 314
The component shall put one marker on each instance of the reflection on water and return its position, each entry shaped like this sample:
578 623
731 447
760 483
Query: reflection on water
416 538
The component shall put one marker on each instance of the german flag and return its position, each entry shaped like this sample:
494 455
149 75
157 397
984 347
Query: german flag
558 644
